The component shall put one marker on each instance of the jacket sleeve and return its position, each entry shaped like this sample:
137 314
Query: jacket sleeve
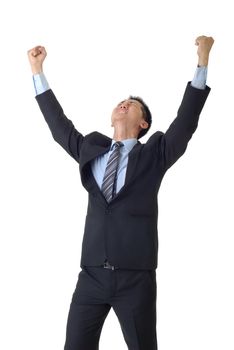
174 141
62 128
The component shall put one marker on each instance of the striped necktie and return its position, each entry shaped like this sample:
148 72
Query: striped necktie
109 179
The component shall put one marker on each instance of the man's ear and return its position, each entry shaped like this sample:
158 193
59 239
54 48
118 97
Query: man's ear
144 124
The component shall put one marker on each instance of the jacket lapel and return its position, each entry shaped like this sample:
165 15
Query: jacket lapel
95 145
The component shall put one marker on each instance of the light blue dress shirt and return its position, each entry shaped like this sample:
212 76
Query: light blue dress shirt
98 165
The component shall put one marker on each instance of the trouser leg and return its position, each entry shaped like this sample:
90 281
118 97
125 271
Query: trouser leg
85 318
135 308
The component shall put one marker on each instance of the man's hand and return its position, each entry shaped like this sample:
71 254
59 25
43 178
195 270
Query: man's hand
204 44
36 58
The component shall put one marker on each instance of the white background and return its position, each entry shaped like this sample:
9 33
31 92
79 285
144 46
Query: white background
99 52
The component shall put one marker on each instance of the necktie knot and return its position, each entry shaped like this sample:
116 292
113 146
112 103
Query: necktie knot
118 144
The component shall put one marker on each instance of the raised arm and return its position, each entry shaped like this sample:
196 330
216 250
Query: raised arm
174 142
62 128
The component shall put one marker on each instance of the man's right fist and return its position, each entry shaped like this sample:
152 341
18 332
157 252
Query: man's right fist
36 58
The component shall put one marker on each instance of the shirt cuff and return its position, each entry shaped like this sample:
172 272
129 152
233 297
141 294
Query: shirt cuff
199 79
40 83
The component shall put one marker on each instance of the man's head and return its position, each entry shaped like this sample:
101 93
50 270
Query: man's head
134 115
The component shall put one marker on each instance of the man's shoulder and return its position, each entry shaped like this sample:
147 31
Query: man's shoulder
96 138
154 138
152 145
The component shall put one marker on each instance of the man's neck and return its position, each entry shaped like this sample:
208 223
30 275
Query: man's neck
123 134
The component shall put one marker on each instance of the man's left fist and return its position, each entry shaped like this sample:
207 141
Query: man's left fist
204 44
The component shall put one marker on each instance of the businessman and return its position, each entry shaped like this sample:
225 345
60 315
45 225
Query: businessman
122 177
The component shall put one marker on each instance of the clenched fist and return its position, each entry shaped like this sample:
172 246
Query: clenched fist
204 44
36 58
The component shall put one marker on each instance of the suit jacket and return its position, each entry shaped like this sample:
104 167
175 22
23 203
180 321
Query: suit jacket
125 230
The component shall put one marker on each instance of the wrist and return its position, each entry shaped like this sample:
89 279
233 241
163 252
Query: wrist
36 69
203 60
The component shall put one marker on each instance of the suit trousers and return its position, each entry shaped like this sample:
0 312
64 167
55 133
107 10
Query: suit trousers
131 294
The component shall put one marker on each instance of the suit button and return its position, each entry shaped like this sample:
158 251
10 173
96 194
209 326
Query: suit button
107 211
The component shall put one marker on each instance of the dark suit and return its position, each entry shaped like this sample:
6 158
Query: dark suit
124 231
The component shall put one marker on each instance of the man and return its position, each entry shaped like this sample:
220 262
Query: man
122 177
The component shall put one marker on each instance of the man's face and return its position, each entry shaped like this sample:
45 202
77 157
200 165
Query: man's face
129 112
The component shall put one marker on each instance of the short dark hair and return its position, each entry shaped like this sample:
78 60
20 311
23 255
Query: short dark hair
146 114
